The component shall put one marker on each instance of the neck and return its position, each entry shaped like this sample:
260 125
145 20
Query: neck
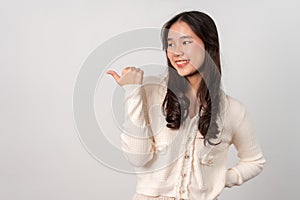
194 82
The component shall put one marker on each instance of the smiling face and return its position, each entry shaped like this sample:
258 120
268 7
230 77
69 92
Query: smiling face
186 51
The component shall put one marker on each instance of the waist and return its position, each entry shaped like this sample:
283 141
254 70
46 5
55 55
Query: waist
138 196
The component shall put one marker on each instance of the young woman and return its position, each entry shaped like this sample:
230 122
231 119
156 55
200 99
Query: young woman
177 131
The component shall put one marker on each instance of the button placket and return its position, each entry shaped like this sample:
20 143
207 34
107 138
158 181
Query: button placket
182 191
184 175
187 160
186 170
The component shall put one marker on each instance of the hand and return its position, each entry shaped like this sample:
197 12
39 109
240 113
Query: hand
130 75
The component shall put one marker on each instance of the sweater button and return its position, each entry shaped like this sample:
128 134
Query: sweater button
186 156
183 174
162 148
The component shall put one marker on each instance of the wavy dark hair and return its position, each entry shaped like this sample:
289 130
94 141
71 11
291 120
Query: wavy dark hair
176 104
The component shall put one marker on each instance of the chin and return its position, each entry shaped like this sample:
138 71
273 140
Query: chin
183 73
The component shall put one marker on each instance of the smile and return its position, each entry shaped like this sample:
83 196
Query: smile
182 63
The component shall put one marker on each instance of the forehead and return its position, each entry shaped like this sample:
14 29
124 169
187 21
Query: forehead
180 30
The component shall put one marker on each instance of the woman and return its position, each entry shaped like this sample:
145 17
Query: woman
180 151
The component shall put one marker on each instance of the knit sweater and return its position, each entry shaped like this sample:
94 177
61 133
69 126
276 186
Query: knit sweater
176 163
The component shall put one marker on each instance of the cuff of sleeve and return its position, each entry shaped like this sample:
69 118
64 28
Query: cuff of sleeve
233 177
131 88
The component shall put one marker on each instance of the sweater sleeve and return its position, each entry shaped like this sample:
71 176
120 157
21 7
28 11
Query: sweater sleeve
251 160
136 140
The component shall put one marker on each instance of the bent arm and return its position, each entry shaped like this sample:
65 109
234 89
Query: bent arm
136 135
251 160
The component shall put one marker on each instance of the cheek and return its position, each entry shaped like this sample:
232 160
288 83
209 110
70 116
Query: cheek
197 50
169 55
197 54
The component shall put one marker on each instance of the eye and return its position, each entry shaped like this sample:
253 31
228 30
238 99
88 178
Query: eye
186 42
171 45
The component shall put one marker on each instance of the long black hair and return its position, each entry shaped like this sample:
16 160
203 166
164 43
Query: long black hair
176 105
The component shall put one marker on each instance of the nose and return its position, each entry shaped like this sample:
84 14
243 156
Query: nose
178 51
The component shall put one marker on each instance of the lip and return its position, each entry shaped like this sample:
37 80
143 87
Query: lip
182 62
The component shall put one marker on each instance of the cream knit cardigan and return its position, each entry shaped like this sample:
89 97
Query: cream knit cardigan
175 163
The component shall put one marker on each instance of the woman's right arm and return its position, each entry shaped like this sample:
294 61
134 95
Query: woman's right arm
136 133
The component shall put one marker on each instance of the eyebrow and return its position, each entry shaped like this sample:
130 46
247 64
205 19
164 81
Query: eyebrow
182 37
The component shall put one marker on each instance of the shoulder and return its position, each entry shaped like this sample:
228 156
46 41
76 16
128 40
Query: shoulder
236 110
235 106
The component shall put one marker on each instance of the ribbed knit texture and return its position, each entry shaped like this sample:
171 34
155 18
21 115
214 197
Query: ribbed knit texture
175 163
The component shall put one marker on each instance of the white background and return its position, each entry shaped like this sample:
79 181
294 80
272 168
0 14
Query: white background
44 44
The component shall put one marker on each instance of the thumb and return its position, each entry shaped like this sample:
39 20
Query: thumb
114 75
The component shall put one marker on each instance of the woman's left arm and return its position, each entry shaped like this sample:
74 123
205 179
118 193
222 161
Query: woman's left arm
251 159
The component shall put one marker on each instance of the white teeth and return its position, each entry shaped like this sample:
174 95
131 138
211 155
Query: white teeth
181 62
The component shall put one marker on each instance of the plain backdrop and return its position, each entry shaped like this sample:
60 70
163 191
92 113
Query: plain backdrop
43 45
